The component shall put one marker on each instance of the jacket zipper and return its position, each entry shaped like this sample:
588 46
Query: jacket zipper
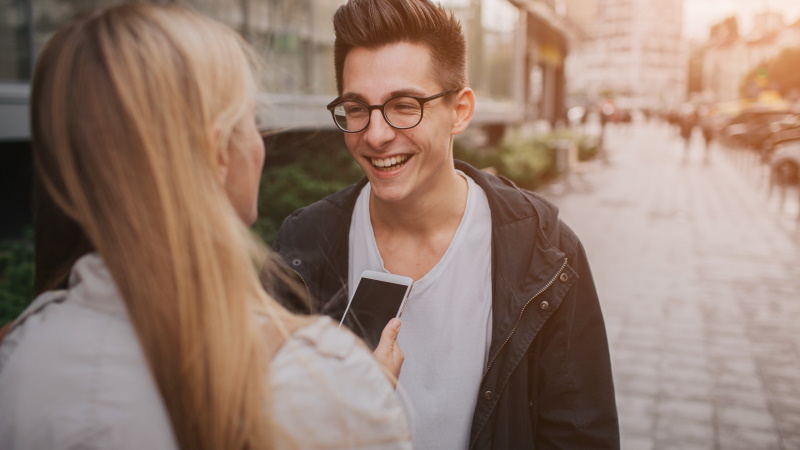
519 318
308 290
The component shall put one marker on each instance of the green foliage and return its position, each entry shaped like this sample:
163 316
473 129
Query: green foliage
529 161
307 178
16 276
588 147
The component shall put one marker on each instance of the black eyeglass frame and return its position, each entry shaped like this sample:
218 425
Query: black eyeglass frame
422 100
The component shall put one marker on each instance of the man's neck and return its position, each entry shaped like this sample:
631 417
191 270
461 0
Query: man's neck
439 209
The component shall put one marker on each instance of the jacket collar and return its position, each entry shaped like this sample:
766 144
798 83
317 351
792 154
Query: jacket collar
522 226
524 260
91 284
523 257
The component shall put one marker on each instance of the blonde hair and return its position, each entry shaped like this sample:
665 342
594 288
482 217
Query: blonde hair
132 107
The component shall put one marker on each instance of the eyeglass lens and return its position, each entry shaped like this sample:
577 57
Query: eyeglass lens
400 112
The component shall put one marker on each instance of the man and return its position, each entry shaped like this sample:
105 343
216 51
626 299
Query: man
503 337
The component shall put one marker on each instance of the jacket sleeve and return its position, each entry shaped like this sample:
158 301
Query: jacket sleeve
575 390
329 392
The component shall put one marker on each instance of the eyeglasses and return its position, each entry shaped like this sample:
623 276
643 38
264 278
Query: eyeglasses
403 112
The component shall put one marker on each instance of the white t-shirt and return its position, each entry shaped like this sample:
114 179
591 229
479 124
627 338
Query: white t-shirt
447 322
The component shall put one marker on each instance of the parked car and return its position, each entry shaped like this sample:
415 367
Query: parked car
751 128
785 161
785 130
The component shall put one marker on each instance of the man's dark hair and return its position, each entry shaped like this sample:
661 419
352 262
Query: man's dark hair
375 23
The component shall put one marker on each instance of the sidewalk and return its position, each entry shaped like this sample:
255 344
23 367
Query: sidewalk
699 277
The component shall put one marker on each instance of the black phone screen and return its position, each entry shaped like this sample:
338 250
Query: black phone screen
374 304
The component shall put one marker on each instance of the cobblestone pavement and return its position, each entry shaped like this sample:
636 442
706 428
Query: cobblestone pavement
698 272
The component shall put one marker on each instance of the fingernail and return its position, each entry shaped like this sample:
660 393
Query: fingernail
395 323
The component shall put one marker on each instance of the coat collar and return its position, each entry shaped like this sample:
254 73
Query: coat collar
523 226
91 284
523 257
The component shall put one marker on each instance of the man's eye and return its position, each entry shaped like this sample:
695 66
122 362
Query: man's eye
406 107
354 110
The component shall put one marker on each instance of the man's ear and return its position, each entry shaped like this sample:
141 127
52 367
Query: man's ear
464 108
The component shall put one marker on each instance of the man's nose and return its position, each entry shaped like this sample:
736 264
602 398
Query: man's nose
379 132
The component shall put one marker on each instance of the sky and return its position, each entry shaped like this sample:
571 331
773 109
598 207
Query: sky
700 15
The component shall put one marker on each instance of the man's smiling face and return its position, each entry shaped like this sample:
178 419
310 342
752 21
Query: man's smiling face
400 164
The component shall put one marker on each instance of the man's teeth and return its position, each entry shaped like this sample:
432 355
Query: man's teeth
389 162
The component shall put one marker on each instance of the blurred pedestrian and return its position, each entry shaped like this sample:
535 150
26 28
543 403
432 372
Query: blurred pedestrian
144 135
687 122
505 341
707 128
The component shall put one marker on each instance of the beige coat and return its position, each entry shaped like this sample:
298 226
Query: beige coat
72 375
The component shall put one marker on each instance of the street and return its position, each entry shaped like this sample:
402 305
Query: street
698 270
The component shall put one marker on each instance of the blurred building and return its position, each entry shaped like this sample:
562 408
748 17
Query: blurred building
729 56
632 51
516 55
516 52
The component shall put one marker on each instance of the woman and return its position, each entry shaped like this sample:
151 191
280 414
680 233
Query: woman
144 135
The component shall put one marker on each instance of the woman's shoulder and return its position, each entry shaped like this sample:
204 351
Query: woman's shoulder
328 391
72 374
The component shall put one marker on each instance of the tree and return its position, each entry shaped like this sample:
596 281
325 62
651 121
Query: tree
781 73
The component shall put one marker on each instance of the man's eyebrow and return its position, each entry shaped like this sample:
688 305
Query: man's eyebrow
406 92
397 93
353 96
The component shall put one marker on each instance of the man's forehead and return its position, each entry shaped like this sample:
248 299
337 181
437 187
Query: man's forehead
388 71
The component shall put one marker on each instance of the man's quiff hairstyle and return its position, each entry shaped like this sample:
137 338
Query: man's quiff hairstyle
374 23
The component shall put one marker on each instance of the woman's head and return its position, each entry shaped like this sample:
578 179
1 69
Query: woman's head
144 135
144 92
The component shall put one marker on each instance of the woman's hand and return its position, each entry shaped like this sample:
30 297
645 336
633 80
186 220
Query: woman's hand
388 351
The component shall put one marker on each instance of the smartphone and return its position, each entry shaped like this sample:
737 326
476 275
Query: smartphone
378 298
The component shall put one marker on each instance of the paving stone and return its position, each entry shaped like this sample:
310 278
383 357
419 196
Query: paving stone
686 410
745 366
696 361
737 416
736 396
678 389
791 441
636 384
636 442
634 370
684 434
666 445
636 405
783 386
788 424
747 439
736 380
686 374
636 424
789 406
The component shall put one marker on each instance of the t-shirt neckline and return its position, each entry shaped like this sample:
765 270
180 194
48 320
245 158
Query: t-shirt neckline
443 262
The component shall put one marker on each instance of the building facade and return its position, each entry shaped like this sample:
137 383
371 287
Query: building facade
633 52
